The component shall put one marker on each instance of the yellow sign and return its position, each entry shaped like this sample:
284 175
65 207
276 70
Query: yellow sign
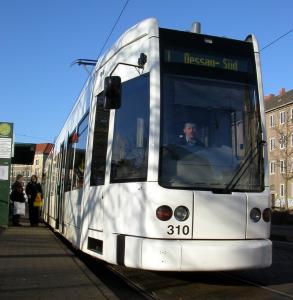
5 129
200 60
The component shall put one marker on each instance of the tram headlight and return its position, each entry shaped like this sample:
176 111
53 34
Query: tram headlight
255 214
164 213
266 215
181 213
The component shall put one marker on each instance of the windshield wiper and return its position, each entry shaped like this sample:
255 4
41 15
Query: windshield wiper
246 164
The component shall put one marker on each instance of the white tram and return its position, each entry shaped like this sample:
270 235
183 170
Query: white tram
124 183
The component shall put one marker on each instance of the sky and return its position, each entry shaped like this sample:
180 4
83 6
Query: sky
39 39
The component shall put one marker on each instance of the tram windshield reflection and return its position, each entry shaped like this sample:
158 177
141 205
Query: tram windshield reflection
222 121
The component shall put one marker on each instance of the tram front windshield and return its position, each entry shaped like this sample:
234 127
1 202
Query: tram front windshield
211 135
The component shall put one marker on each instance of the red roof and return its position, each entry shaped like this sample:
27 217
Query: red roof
44 148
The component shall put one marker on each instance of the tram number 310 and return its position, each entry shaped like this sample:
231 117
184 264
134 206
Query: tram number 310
178 230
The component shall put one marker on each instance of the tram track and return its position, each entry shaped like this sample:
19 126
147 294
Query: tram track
131 283
272 283
274 291
114 286
156 284
122 287
209 291
195 285
127 283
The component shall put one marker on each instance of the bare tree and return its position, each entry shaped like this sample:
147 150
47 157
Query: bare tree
284 157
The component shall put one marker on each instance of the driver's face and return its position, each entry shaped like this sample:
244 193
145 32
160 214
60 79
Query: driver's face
190 132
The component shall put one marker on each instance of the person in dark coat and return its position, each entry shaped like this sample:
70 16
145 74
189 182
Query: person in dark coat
32 188
17 195
189 138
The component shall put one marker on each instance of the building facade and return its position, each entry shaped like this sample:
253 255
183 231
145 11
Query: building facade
279 127
37 168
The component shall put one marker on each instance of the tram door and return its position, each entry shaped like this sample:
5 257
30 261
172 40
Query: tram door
47 178
60 187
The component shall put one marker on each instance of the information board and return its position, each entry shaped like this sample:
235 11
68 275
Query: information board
208 60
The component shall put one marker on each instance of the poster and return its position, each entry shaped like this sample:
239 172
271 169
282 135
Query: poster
4 172
5 147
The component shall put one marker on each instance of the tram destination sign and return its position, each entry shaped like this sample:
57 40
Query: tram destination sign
208 60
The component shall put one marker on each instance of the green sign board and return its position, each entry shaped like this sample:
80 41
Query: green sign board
6 134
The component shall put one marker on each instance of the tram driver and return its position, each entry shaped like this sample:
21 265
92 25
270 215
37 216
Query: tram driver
190 135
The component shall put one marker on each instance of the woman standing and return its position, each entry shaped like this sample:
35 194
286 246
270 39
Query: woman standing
32 189
18 199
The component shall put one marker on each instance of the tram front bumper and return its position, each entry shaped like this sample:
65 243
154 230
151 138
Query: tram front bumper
197 255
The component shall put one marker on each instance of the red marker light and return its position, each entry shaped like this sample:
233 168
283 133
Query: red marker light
164 213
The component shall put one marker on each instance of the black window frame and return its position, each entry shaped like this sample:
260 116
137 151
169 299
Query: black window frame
100 140
143 176
219 46
79 131
69 161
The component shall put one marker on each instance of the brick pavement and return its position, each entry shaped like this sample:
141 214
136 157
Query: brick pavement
34 264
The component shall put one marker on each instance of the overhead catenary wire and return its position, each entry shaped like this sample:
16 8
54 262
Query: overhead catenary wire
277 39
113 27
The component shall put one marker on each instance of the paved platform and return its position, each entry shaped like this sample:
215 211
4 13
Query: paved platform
34 264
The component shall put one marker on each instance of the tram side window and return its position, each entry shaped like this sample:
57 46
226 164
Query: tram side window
55 174
58 172
69 162
131 132
79 157
62 171
100 143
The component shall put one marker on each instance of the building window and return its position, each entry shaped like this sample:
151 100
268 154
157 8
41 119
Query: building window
272 167
272 120
37 162
272 144
283 141
282 117
282 166
282 190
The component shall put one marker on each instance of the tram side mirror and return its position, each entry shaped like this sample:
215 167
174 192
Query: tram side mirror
112 92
